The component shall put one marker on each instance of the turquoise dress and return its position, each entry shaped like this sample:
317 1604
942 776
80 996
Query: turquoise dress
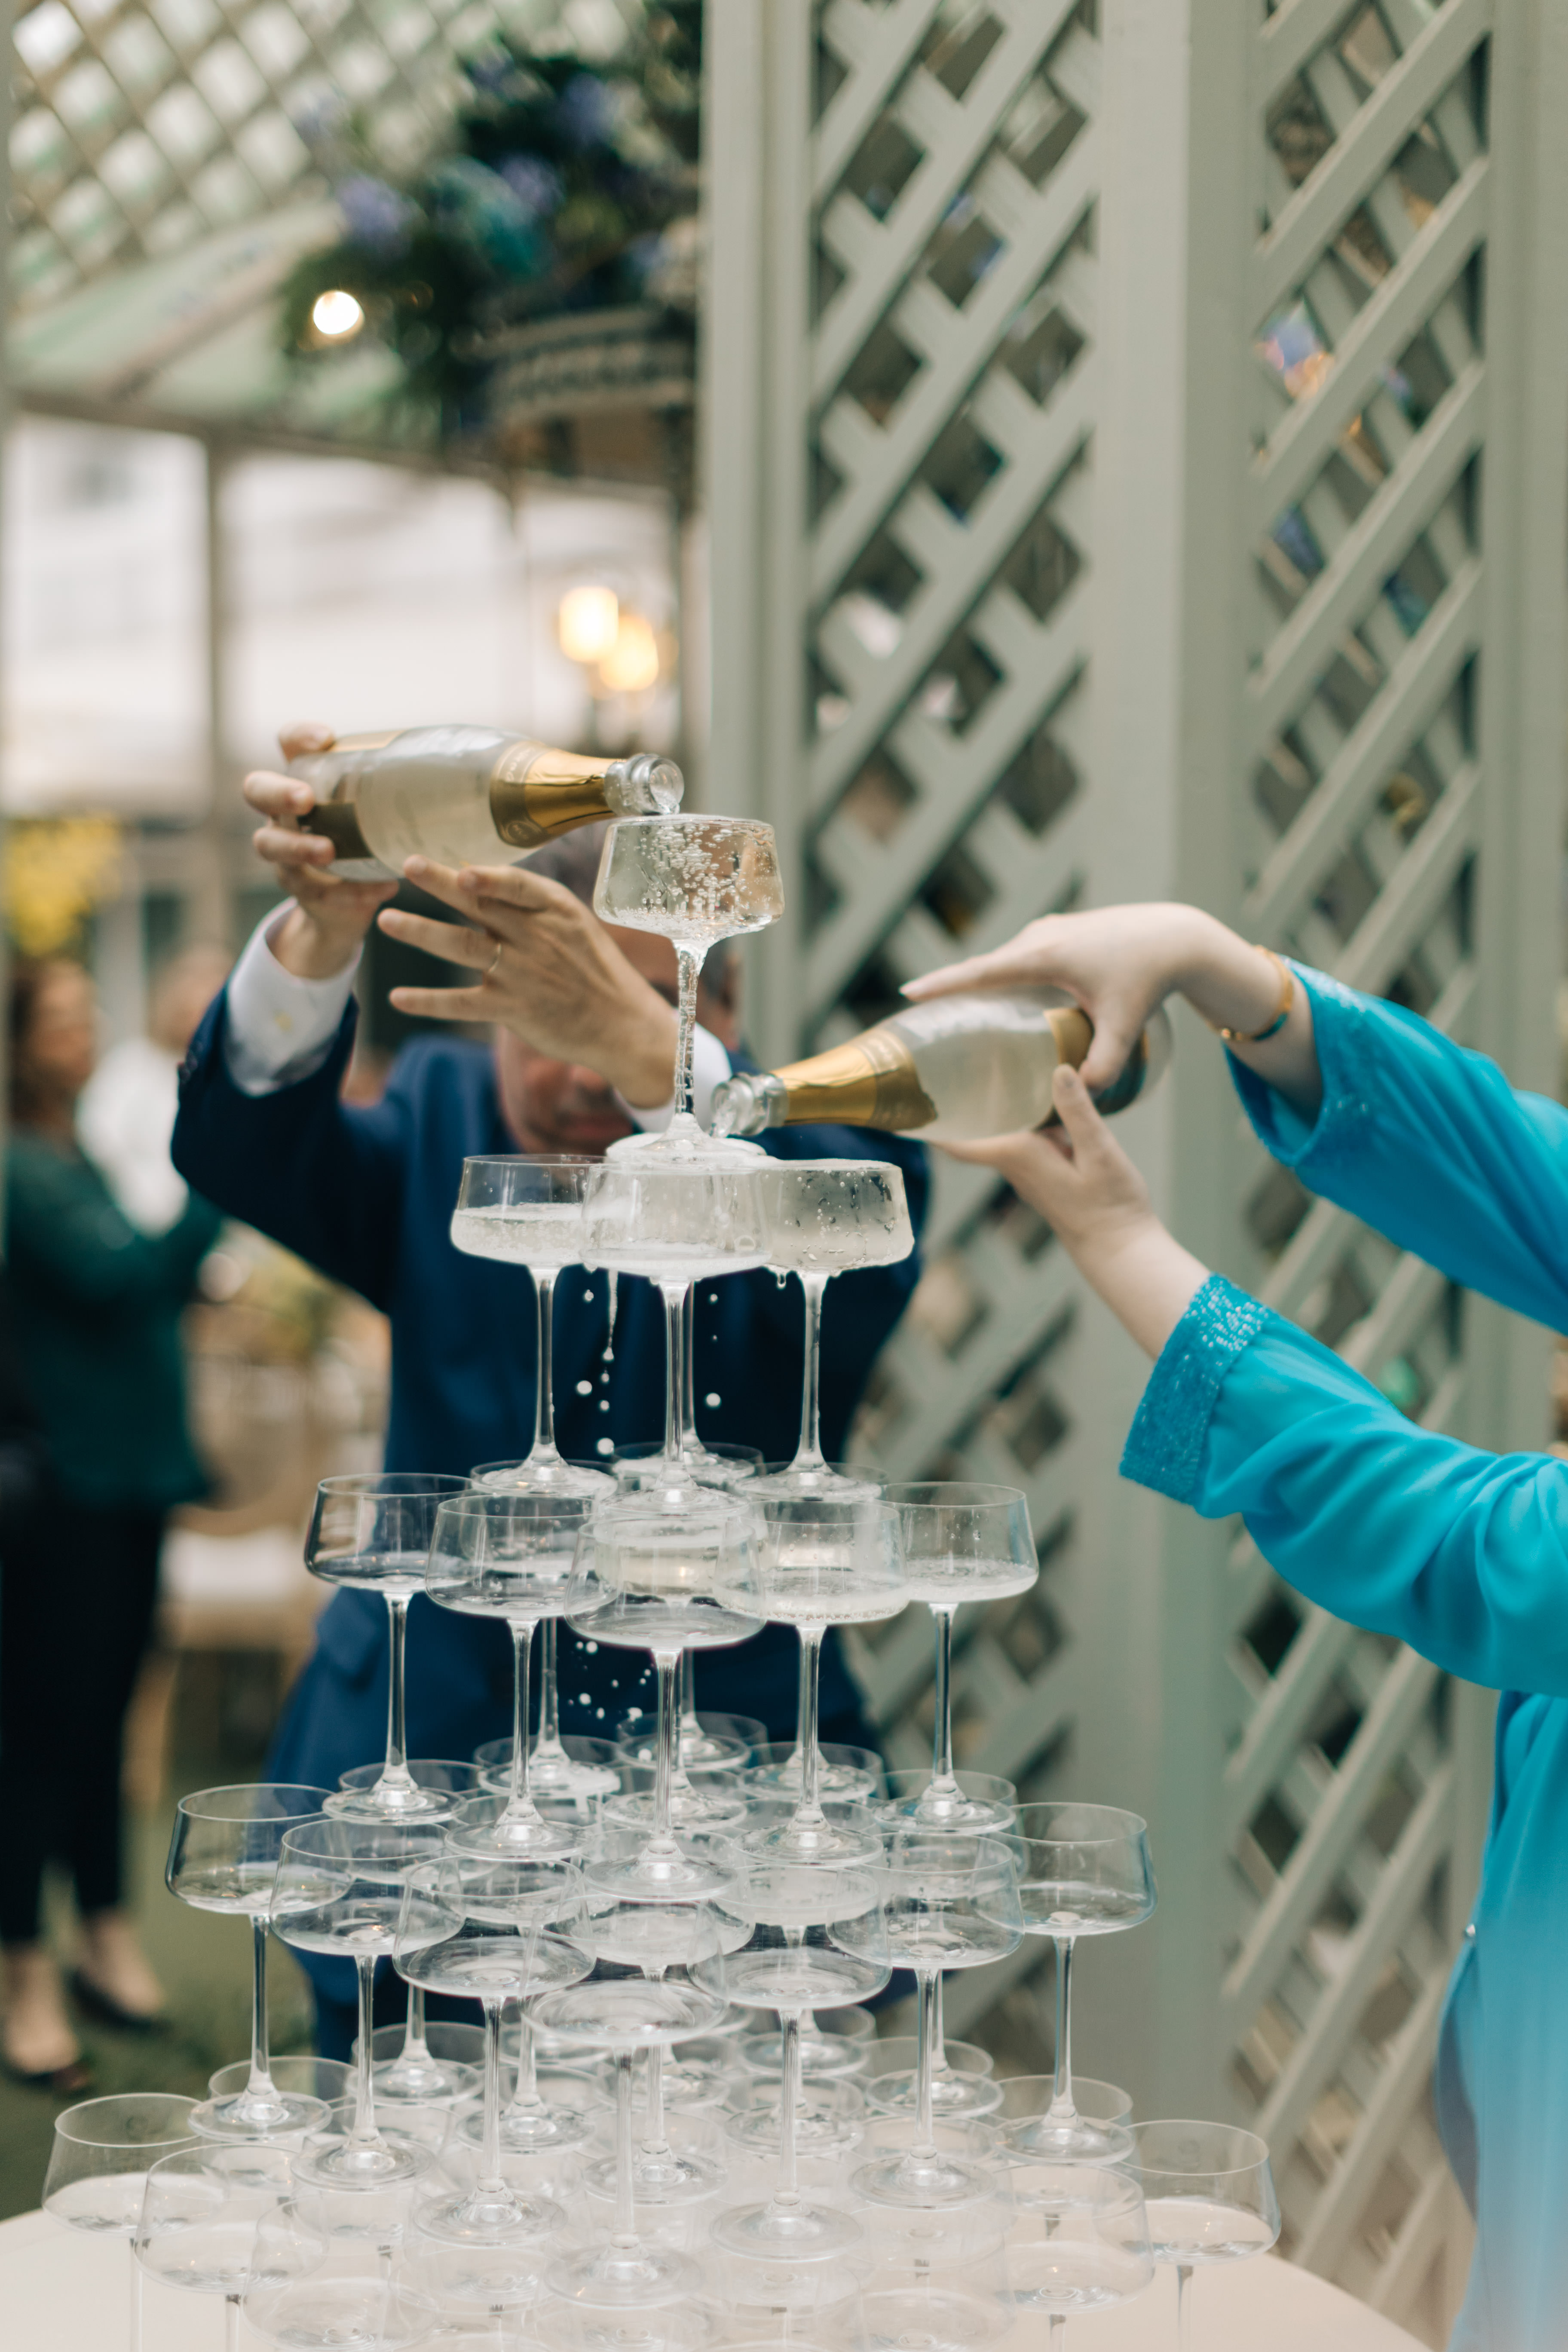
1462 1554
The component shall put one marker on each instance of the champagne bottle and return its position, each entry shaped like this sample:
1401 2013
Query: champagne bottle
467 795
947 1070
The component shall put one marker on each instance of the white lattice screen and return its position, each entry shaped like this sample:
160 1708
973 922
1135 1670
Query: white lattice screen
1116 396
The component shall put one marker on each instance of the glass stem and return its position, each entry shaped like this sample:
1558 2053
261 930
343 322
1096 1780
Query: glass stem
810 1814
654 2142
688 1437
1184 2308
925 2131
789 2101
666 1664
490 2182
674 1323
135 2300
625 2218
544 1398
944 1782
363 2134
808 1454
525 2090
687 966
691 1729
802 1700
413 2030
938 2039
1058 2330
394 1772
1062 2108
548 1694
231 2322
520 1804
260 2083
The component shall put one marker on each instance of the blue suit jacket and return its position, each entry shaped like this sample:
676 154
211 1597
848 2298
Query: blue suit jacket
366 1194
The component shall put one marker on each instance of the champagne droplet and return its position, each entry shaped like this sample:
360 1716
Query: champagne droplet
584 1387
713 1397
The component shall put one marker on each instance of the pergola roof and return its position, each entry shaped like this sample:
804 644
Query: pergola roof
162 188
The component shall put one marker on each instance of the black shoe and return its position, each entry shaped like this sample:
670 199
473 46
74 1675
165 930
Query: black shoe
106 2009
67 2082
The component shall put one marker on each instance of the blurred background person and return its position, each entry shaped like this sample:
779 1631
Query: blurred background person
126 1114
96 1314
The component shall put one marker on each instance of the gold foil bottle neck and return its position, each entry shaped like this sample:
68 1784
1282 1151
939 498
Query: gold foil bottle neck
536 793
871 1082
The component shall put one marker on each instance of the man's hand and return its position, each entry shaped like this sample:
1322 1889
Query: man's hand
1082 1183
547 968
325 928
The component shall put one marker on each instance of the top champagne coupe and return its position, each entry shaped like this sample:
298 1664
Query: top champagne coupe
695 880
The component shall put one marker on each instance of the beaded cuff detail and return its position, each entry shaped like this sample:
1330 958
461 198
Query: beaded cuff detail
1166 1439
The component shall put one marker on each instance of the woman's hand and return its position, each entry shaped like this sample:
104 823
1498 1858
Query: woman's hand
326 926
1084 1186
546 968
1121 962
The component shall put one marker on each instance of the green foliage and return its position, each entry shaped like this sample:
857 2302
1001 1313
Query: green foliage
555 190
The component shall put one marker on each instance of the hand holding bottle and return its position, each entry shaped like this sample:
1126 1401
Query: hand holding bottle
326 927
1082 1183
1121 962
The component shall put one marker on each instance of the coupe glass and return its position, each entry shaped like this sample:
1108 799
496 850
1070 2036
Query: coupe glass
666 1574
624 2014
1210 2198
414 2073
1082 1869
695 880
656 1937
222 1856
825 1217
101 2153
703 1743
426 2066
675 1222
547 2113
373 1533
961 1542
508 1557
823 1561
796 1956
1024 2102
946 1903
835 2044
530 1213
845 1776
1079 2241
339 1893
490 1931
198 2220
311 2290
592 1769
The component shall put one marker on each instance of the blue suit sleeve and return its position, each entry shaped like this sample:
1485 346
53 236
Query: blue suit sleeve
1462 1554
323 1177
1431 1145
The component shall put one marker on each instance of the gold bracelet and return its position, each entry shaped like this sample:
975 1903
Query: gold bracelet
1282 1011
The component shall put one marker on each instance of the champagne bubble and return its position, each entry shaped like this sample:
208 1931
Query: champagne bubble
713 1397
584 1387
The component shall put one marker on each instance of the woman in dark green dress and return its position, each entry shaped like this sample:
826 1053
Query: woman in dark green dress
96 1308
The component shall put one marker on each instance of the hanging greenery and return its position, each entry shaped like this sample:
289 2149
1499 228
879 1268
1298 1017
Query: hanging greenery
564 186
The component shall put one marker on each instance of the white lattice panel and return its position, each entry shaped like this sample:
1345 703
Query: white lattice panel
1137 373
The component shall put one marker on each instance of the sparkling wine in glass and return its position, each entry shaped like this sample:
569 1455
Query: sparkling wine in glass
825 1217
823 1561
961 1542
1079 2241
508 1556
665 1573
372 1534
339 1893
1209 2192
529 1212
1082 1869
694 880
222 1856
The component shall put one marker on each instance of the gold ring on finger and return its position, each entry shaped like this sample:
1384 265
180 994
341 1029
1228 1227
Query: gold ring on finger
491 967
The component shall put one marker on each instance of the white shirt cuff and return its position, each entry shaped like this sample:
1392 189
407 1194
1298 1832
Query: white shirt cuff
279 1028
710 1069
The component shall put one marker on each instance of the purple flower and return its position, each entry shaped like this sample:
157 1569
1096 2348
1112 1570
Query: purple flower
377 216
584 111
536 185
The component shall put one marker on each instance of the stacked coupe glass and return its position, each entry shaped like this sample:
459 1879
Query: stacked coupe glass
627 2151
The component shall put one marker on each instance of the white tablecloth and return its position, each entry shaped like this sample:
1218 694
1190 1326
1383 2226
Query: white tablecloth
64 2291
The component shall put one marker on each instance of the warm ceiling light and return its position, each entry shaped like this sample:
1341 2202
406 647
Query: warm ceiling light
631 665
587 622
336 315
